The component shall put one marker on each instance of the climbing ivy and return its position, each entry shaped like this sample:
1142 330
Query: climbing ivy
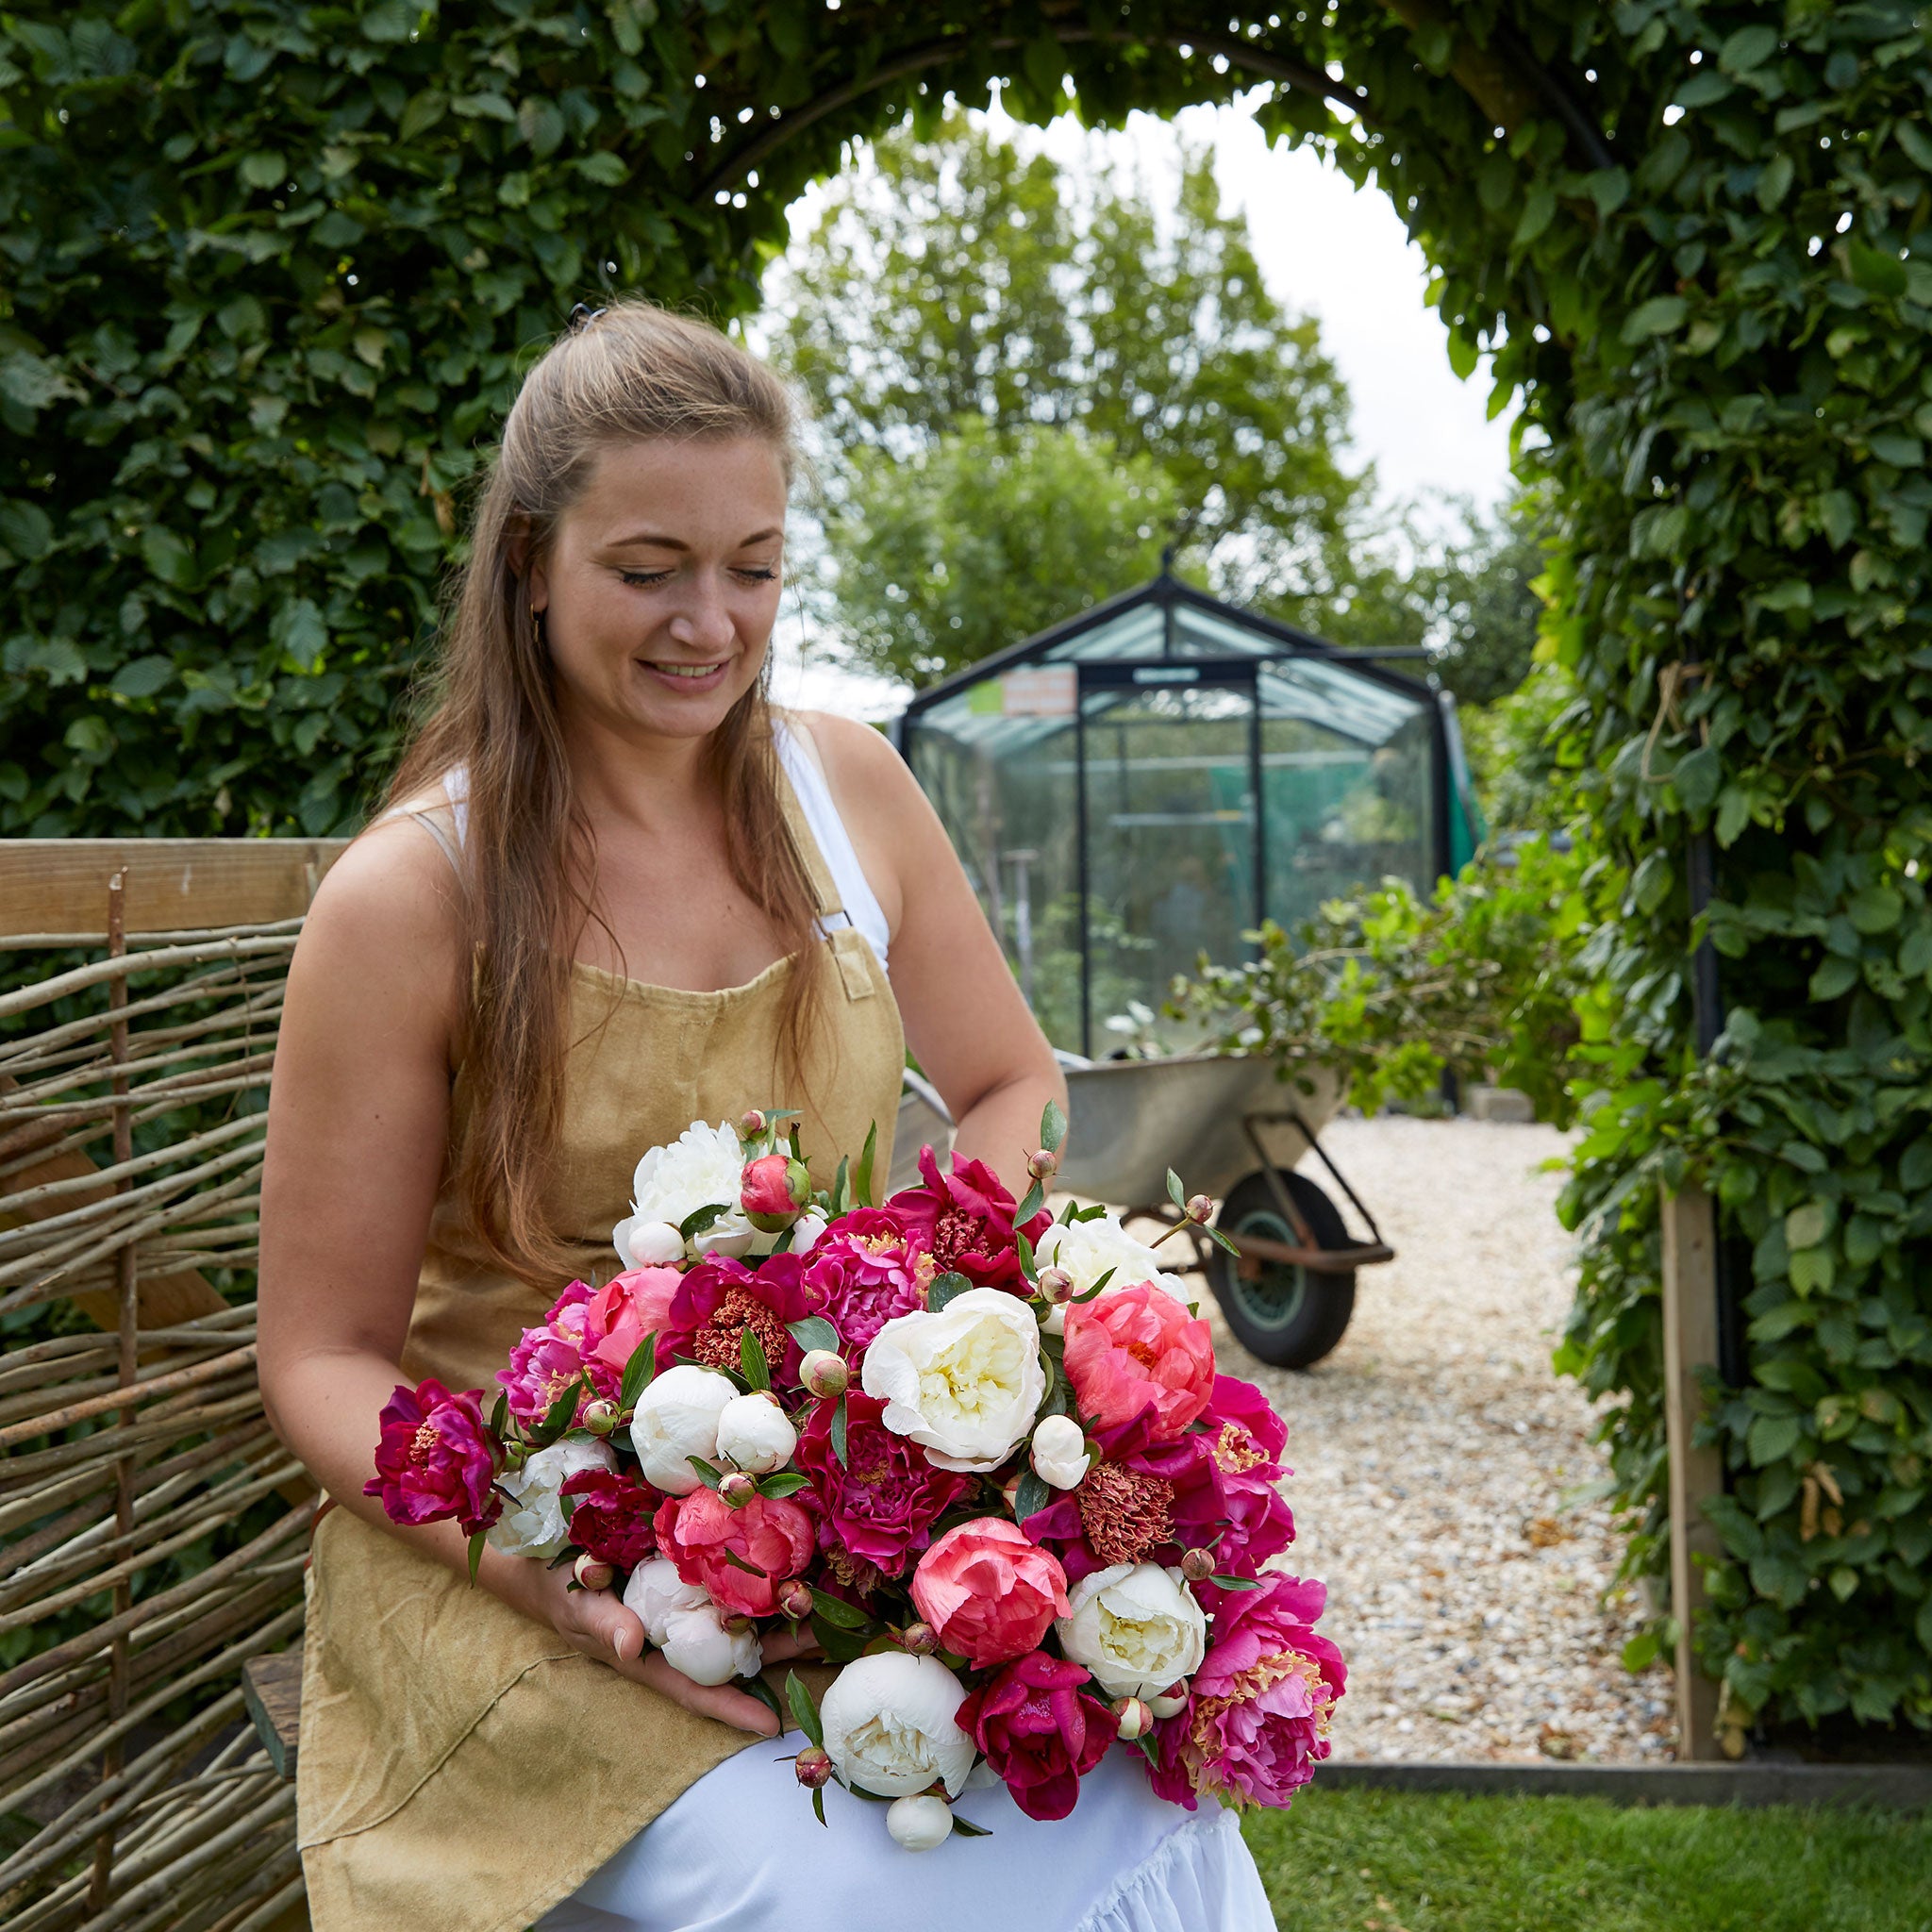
272 270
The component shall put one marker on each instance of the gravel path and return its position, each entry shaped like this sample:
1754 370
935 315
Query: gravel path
1444 1473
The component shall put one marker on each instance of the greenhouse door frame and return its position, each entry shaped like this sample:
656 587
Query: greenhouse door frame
1193 673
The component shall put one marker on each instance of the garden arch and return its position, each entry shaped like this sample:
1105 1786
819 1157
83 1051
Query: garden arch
271 269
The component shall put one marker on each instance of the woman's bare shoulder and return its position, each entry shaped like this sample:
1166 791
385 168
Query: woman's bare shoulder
861 761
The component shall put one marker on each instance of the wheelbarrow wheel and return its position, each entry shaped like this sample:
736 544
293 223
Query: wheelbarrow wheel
1289 1315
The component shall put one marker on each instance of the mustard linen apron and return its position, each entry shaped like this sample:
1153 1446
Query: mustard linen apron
461 1769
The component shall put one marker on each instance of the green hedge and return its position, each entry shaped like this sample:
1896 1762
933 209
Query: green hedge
230 475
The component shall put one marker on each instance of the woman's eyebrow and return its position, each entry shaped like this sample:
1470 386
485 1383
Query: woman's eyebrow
662 542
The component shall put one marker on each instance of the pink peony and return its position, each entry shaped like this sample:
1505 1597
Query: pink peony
611 1518
772 1188
1258 1708
868 1272
989 1591
719 1298
964 1220
1139 1350
1041 1731
883 1500
436 1458
626 1309
1247 1435
774 1536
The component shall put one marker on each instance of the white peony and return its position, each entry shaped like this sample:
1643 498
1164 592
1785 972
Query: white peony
808 1231
532 1523
703 1168
697 1644
655 1591
890 1726
1084 1250
1136 1626
964 1383
1060 1452
676 1418
756 1434
921 1824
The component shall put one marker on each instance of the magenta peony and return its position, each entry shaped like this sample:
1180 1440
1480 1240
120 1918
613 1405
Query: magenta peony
774 1536
435 1458
989 1591
719 1298
1135 1351
612 1517
868 1272
1258 1708
1041 1731
882 1501
964 1220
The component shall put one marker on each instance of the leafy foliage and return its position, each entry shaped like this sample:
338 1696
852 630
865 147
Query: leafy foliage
1690 234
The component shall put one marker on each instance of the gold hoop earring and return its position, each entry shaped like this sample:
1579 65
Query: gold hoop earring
536 627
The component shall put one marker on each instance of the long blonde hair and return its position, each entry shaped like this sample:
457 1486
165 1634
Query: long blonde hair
633 372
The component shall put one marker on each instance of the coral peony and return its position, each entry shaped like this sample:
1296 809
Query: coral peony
626 1309
610 1516
964 1220
1136 1351
1257 1719
1041 1731
883 1500
435 1458
721 1298
989 1591
868 1272
774 1536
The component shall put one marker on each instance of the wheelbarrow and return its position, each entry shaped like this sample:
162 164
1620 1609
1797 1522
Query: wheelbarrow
1231 1129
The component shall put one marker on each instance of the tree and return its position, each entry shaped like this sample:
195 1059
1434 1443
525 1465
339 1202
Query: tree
982 539
964 282
1480 603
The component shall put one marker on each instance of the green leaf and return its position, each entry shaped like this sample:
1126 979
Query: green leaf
1875 269
812 1332
862 1187
1641 1652
639 1372
840 1182
1696 778
1660 316
424 112
1035 1201
944 1289
263 169
1748 48
786 1482
837 1433
1775 181
297 629
964 1827
1221 1582
709 1474
167 557
1175 1192
1053 1127
738 1562
1812 1272
751 1353
1772 1437
1876 909
838 1612
1805 1227
818 1806
1031 1496
1539 209
805 1712
25 529
605 168
475 1552
701 1220
558 1416
1836 975
142 677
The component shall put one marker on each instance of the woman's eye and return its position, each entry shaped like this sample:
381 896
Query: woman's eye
760 576
644 577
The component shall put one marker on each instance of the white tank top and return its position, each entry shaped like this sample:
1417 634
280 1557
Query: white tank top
860 905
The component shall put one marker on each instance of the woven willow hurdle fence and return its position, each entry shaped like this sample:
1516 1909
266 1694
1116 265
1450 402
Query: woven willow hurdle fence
153 1531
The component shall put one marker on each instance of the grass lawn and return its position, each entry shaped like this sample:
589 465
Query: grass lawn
1386 1861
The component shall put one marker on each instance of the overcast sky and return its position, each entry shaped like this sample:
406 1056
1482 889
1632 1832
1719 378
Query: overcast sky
1325 250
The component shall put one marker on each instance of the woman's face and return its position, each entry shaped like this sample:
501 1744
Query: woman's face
661 587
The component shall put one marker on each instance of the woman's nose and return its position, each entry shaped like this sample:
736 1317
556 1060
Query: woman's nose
705 622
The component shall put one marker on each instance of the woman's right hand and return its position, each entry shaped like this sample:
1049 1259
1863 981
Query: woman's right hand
596 1622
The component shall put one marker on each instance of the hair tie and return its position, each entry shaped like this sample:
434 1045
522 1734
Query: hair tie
582 317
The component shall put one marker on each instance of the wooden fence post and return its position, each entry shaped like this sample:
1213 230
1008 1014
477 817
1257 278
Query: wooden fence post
1690 1270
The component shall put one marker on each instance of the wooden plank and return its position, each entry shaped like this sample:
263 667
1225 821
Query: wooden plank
272 1690
60 886
1697 1474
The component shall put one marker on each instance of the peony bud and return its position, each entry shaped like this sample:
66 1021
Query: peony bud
922 1640
737 1623
1172 1701
737 1489
1060 1452
649 1244
1056 1287
1197 1566
794 1599
824 1374
751 1124
1200 1208
1136 1719
601 1416
773 1191
1044 1164
593 1575
755 1432
813 1768
920 1824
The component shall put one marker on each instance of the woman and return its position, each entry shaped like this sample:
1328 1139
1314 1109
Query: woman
614 894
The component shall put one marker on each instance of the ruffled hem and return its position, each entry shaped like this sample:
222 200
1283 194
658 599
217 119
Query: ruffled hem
1201 1875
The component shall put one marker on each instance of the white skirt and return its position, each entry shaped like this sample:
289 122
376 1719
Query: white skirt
742 1850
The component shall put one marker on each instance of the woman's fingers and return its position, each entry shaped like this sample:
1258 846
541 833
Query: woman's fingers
720 1700
598 1617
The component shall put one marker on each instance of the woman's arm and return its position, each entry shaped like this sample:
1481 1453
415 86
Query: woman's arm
358 1126
965 1021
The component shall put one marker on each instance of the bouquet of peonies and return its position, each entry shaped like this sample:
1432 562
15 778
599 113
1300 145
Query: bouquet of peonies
983 1454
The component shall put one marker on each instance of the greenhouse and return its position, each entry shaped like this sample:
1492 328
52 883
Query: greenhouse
1150 780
